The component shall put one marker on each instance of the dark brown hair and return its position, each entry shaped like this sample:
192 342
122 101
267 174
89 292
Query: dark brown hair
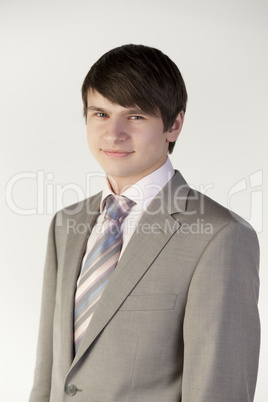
138 75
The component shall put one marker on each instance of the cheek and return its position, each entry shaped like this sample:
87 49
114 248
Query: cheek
91 145
153 143
91 137
89 140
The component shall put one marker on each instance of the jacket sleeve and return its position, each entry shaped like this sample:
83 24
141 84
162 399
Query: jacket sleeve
42 376
221 326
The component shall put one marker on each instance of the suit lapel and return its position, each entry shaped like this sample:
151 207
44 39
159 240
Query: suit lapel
74 252
155 229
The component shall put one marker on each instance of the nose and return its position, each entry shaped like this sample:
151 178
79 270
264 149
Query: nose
116 131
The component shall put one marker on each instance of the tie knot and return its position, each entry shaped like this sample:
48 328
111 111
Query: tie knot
117 206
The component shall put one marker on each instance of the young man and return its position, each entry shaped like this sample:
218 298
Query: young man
157 301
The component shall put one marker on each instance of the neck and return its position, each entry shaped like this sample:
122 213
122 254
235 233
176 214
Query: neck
119 186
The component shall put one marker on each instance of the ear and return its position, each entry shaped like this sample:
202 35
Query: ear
174 131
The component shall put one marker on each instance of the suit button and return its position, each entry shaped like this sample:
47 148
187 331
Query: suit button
70 389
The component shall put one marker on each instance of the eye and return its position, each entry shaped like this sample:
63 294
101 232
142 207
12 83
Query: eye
101 114
136 117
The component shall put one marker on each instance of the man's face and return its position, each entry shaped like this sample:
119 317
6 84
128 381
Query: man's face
128 143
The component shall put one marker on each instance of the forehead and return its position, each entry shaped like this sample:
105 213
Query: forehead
96 101
94 97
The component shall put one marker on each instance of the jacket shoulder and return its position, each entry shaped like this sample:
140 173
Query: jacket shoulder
87 206
203 207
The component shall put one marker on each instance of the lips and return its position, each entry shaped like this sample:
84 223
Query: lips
116 153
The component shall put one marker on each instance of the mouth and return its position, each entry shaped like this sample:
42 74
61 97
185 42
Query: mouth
116 153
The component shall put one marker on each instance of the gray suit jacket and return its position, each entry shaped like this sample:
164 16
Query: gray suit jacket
178 320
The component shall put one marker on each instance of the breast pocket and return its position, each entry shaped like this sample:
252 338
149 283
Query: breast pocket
149 302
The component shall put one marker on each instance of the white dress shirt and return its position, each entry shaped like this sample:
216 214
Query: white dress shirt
142 193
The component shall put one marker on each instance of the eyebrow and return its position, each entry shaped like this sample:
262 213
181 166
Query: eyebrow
95 108
128 111
136 111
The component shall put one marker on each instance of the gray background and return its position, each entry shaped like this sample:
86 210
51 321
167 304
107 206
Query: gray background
47 47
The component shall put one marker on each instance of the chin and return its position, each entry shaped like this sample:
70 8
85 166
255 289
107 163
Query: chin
116 174
116 171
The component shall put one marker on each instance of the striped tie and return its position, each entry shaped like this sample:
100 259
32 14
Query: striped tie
99 265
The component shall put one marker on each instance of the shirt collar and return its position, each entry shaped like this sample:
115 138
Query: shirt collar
143 192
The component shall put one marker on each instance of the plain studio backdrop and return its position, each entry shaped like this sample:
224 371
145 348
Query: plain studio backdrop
47 47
